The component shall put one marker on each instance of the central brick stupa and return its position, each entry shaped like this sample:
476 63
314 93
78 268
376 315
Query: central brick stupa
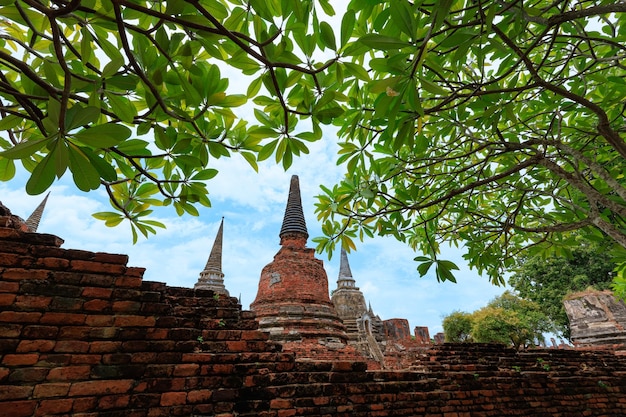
292 302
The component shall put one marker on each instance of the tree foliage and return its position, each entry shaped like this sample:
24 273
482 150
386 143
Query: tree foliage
547 281
507 319
457 327
494 125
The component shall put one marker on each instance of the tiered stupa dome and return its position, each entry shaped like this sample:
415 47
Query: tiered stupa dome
292 302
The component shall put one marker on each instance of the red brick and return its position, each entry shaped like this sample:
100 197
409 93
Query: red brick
85 359
14 392
135 321
70 373
60 406
16 274
9 331
11 287
86 388
128 282
126 306
135 272
85 405
20 359
103 333
75 333
143 357
110 258
169 399
16 260
32 302
20 408
88 266
48 390
67 304
4 372
63 318
99 320
113 401
104 347
19 317
200 396
52 263
40 332
35 346
278 403
7 299
187 369
97 305
97 292
71 346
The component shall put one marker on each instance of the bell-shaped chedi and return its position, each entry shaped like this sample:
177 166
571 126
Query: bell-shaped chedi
292 302
212 277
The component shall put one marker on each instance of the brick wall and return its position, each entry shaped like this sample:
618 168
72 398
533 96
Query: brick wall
82 334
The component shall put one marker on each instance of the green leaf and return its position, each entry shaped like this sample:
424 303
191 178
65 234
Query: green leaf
7 169
205 174
424 267
104 168
432 87
234 100
79 115
328 9
357 70
347 26
24 149
112 67
252 160
382 42
402 16
103 136
43 175
267 150
85 175
441 12
9 122
328 36
122 107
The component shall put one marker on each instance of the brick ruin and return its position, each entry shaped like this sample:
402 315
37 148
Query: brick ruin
82 334
596 318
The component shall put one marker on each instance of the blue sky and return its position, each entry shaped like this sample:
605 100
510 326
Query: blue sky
253 207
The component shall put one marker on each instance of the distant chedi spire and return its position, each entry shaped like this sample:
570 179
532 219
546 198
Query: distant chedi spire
212 277
33 220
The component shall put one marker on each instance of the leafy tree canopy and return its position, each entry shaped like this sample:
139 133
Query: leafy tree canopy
547 281
457 327
507 319
496 125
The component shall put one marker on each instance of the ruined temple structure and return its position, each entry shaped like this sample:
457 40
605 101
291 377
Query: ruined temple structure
212 277
82 334
292 303
30 225
596 318
364 328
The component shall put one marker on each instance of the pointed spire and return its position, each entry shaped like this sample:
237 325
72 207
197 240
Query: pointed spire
293 221
33 220
214 263
212 277
345 279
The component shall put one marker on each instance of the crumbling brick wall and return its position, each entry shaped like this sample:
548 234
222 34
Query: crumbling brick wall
82 334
